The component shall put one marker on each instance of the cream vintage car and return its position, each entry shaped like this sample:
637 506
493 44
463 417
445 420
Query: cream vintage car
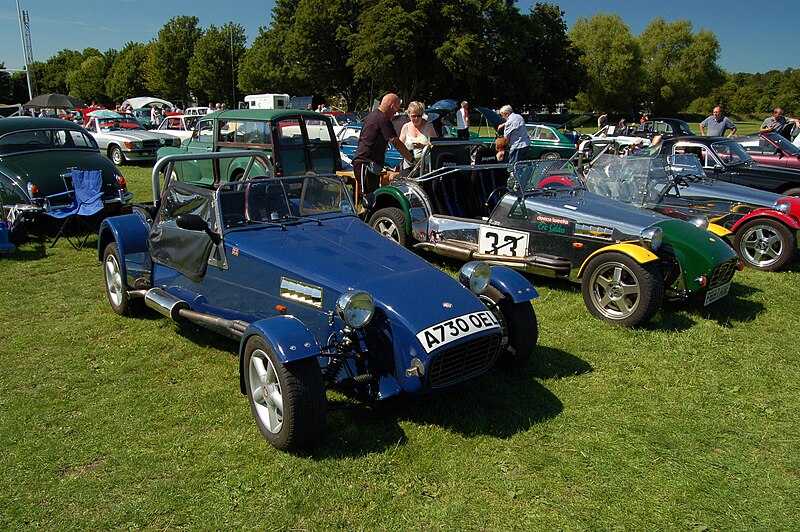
179 125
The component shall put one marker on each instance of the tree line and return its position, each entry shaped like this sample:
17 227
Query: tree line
486 51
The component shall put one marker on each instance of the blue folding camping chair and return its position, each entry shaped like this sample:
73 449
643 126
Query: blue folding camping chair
87 202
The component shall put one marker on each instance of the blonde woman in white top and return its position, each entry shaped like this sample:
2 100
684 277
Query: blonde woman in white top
416 134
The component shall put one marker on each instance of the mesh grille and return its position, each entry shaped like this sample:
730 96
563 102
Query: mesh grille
464 361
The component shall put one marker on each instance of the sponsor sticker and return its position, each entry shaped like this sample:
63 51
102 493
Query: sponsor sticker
553 224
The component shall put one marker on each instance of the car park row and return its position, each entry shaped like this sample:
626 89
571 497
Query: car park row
256 231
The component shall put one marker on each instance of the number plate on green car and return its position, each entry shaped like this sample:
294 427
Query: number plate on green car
717 293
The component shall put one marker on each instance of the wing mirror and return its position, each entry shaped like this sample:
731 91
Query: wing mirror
719 169
193 222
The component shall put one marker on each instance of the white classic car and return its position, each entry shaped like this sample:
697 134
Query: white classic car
124 139
179 125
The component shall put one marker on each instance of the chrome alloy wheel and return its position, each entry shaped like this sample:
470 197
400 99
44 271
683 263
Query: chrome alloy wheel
266 390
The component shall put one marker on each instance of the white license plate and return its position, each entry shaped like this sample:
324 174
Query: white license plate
717 293
453 329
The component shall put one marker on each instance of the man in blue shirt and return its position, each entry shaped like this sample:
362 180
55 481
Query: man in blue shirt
716 124
514 130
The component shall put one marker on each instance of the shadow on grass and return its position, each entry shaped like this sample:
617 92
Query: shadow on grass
735 308
499 405
30 251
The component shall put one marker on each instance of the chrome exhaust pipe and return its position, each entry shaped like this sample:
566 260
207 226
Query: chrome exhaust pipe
447 249
164 303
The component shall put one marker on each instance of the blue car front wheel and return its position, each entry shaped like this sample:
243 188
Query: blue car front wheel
287 400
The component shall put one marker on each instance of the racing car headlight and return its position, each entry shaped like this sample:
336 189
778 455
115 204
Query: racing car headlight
476 276
651 238
782 206
700 221
355 308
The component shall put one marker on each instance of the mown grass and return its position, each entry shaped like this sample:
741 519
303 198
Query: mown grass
688 423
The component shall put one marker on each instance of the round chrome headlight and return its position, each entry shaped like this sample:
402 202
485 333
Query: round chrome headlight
700 221
355 308
651 238
782 206
476 276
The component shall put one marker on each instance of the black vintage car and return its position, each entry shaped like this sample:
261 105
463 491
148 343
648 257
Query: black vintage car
664 128
726 160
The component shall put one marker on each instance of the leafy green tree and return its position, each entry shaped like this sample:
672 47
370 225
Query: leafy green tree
549 52
5 84
317 47
51 75
168 62
678 65
611 59
88 81
216 55
126 77
262 69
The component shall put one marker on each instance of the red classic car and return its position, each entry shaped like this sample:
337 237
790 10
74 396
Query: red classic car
772 149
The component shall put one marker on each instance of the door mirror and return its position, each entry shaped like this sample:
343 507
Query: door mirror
193 222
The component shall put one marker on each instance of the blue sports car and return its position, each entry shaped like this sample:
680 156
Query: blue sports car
315 297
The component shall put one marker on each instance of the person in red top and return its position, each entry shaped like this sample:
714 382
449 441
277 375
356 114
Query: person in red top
377 132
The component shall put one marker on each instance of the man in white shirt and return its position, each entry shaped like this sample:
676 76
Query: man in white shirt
462 121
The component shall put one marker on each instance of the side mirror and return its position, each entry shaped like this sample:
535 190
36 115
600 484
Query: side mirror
193 222
719 169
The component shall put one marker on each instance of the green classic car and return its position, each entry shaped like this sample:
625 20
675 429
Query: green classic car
296 142
547 142
37 156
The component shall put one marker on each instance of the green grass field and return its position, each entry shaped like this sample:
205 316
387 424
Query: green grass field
690 423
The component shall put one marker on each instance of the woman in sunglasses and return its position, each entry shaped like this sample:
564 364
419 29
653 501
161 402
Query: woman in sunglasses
416 133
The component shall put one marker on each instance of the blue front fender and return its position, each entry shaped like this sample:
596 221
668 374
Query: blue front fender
512 284
128 230
288 337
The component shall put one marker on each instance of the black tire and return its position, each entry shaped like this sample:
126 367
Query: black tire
116 285
292 414
550 155
619 290
115 154
792 192
391 223
520 328
764 244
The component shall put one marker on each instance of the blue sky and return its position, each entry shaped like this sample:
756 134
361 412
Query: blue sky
741 26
